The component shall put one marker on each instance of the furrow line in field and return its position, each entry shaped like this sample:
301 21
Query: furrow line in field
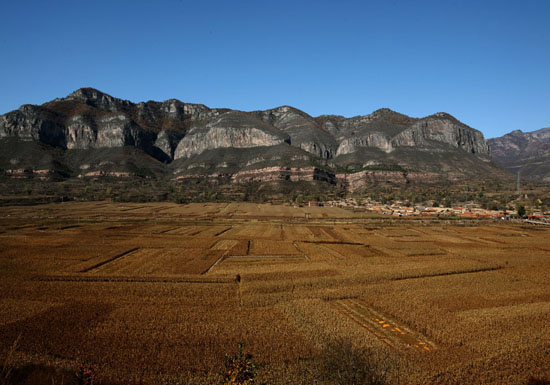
215 263
87 278
430 275
335 243
109 260
168 230
297 248
223 231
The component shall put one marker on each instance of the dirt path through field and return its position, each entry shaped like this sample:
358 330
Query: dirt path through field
397 336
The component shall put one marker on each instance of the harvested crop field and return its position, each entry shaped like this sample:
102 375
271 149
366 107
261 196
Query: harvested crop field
154 292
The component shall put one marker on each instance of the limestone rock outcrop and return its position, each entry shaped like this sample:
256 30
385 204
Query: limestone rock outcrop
443 128
304 131
29 123
233 129
375 139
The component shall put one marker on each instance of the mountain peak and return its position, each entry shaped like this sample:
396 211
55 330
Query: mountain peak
446 116
286 109
96 98
86 93
385 110
387 113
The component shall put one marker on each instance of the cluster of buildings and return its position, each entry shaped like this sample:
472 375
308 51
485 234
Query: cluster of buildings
400 209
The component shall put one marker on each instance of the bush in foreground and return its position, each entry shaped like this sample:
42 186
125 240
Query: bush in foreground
239 369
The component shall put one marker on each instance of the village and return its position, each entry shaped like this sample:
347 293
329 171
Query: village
466 211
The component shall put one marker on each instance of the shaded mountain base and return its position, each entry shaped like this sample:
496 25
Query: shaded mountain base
534 167
525 152
29 191
379 186
272 172
30 159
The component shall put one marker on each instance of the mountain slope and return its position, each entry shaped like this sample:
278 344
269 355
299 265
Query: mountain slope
527 152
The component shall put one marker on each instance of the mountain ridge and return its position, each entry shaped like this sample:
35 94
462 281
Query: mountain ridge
191 138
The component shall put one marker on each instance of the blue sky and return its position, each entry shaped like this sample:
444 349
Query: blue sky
485 62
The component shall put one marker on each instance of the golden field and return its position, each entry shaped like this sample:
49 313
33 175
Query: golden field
152 293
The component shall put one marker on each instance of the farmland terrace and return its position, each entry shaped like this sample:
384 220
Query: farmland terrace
160 292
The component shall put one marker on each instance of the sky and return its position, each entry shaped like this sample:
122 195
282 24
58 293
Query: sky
485 62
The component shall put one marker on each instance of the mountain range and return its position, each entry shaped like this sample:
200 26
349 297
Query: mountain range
90 134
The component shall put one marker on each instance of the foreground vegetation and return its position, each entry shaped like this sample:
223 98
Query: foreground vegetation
162 293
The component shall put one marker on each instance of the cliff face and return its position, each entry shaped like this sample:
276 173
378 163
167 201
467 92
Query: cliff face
114 130
89 119
374 140
524 152
304 131
233 129
445 129
30 123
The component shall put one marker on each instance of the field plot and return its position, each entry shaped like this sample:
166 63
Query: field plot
297 233
414 248
355 234
159 261
160 291
268 231
267 247
401 233
236 264
335 251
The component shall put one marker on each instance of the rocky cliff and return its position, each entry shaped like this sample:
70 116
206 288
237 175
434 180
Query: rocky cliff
442 128
194 138
233 129
304 131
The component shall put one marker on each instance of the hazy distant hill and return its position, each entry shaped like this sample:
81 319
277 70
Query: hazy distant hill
90 133
528 152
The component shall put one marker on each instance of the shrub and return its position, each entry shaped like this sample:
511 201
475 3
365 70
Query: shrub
239 368
521 210
87 374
